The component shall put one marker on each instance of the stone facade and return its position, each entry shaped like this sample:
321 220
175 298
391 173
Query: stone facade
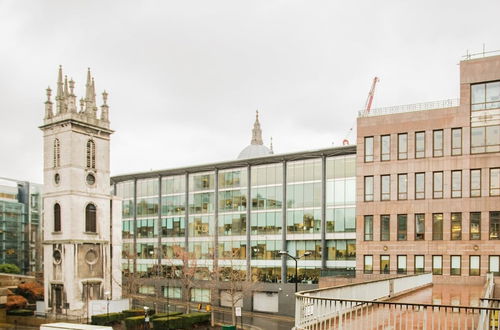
82 220
455 199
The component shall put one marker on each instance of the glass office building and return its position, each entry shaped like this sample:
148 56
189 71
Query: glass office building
242 213
20 226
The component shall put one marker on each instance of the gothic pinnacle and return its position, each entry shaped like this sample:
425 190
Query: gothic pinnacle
49 93
59 83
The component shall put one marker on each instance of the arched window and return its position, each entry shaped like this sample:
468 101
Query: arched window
90 154
90 219
57 153
57 217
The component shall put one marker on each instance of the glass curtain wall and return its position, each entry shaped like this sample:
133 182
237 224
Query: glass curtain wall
303 226
146 225
266 221
340 194
173 206
304 197
201 226
125 190
233 203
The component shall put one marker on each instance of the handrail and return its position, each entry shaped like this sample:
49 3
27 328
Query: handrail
390 303
423 106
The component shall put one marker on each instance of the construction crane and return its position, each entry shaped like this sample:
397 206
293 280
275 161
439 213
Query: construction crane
369 100
366 110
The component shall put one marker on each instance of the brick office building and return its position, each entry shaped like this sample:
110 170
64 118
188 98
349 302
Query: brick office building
428 192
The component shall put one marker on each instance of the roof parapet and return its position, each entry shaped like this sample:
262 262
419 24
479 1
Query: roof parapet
432 105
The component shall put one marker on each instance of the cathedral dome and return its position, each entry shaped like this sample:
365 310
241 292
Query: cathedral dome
254 150
256 147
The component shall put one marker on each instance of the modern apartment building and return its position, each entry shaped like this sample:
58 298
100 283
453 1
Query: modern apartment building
20 225
428 193
241 213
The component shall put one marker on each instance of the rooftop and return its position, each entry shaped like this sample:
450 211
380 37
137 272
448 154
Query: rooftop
431 105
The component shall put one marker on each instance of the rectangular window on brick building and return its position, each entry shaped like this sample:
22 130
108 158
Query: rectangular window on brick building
368 188
456 184
368 227
385 264
456 226
494 181
494 265
474 265
437 226
419 144
401 264
485 130
437 143
385 187
437 185
456 265
456 141
385 147
368 264
402 227
419 185
475 183
475 225
419 264
494 225
419 227
385 227
437 265
402 186
368 149
403 146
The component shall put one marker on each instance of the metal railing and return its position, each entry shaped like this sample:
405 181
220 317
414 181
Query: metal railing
327 313
484 53
432 105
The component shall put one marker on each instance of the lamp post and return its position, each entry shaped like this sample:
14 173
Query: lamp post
107 294
296 259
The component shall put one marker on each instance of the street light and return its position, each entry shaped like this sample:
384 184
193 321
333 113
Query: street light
107 294
296 259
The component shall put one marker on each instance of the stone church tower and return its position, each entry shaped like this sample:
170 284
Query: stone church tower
82 220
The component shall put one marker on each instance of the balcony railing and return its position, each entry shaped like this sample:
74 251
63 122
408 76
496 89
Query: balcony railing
359 306
441 104
363 314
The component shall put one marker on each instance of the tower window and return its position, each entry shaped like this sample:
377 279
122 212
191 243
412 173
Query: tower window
57 217
90 154
90 218
57 153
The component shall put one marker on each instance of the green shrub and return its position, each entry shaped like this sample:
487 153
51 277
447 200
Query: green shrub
188 320
134 322
21 312
162 315
9 268
137 312
106 319
133 312
173 322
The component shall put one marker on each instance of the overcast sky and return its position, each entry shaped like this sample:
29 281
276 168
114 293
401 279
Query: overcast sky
185 77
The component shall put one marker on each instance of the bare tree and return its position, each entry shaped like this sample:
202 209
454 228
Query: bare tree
186 272
129 286
230 280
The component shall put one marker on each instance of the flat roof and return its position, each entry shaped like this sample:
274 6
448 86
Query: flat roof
328 152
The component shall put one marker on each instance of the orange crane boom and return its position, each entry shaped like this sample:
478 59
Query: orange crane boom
369 100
